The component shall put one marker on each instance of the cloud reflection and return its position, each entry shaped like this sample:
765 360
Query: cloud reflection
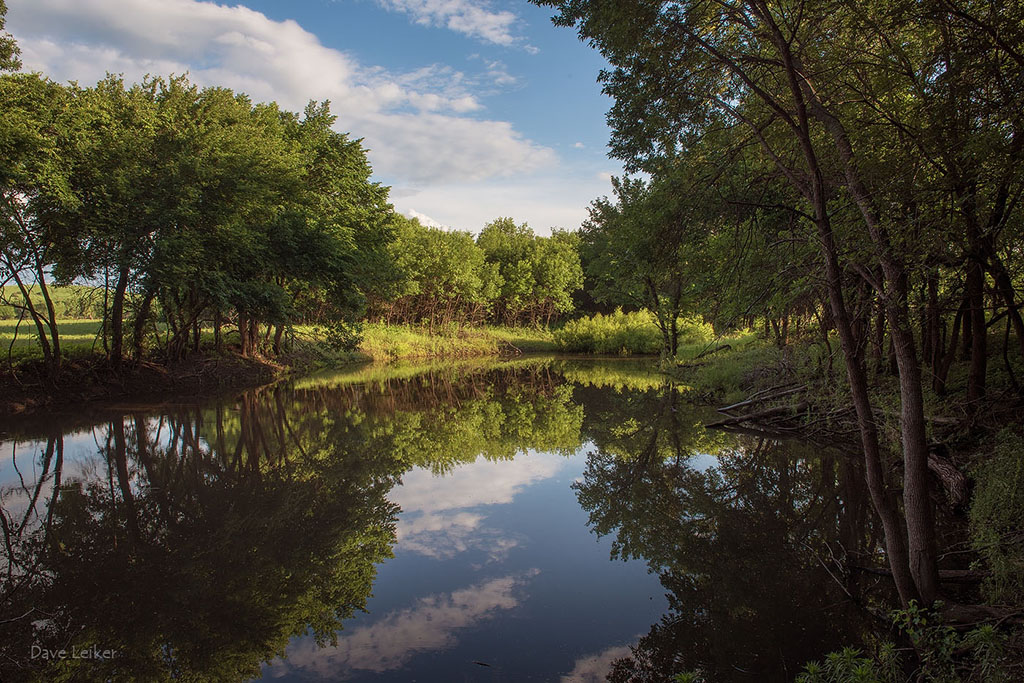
595 668
440 516
430 624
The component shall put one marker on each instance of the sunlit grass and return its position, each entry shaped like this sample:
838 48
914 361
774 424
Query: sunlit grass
391 342
76 337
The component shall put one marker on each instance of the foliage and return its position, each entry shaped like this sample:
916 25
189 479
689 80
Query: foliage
945 655
506 275
859 159
192 207
8 48
391 342
626 333
340 336
996 512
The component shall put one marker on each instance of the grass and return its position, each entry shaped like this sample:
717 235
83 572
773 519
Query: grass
74 302
394 342
626 334
77 337
380 342
749 363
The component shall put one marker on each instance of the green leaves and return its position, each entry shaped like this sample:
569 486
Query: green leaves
8 48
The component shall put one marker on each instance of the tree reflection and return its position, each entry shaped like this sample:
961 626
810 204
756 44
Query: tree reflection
200 541
746 549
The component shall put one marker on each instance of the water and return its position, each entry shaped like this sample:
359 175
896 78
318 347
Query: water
538 519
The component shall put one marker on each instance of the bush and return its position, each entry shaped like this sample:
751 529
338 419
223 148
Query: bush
340 336
626 333
943 655
996 513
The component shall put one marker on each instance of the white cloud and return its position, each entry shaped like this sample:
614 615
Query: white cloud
492 482
578 145
473 18
426 220
432 623
413 123
443 535
544 200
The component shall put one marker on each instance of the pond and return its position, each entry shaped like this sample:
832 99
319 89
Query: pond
535 519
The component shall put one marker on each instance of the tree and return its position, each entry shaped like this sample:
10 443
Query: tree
684 69
646 251
557 274
8 47
34 116
511 248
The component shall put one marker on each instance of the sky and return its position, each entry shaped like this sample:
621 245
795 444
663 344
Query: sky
470 109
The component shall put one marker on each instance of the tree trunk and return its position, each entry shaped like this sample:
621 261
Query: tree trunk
278 334
1004 285
117 317
243 333
933 320
138 329
946 361
979 333
217 322
916 498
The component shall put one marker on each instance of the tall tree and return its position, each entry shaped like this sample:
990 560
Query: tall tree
683 69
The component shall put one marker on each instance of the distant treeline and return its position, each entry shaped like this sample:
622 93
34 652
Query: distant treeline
506 275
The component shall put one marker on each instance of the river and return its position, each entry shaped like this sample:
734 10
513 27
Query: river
535 519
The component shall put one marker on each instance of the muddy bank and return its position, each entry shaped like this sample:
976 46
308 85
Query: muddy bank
28 391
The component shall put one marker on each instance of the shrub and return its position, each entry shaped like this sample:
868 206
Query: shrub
626 333
996 512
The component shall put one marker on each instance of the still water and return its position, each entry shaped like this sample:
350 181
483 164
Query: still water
540 519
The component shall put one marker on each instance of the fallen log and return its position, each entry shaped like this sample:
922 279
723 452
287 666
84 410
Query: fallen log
777 411
759 398
954 483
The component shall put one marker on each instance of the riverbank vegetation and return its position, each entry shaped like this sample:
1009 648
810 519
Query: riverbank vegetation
843 178
186 219
854 170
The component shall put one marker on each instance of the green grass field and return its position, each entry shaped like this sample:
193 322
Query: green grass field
77 337
76 302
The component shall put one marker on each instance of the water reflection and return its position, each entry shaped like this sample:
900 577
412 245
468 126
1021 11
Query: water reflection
243 539
431 624
747 544
446 517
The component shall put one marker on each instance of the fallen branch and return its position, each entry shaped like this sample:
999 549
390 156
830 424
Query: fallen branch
723 347
954 483
760 415
761 397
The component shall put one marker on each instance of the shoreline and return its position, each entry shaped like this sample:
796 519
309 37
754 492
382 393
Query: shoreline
93 381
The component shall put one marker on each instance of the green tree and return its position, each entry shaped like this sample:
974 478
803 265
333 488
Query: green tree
646 250
511 248
35 114
8 47
685 70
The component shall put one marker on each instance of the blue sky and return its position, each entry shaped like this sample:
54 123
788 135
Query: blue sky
471 109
